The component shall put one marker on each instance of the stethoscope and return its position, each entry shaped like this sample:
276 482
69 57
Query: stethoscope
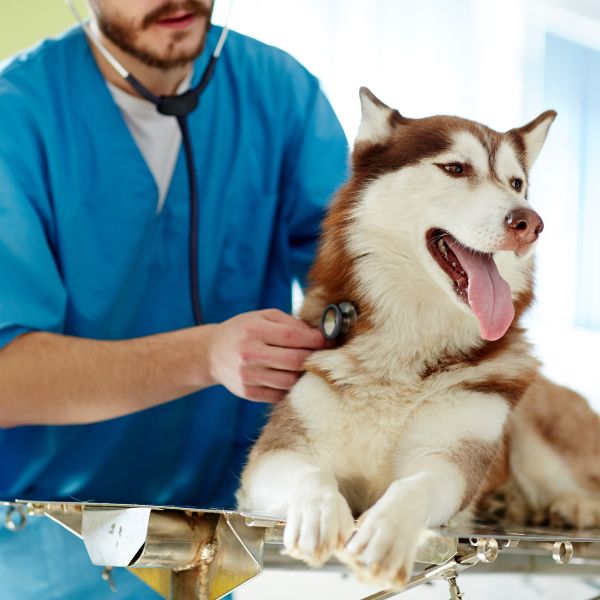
179 106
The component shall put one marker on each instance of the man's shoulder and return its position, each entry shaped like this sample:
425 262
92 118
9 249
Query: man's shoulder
264 59
43 63
38 87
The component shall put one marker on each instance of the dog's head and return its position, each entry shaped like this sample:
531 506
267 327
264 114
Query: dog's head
440 204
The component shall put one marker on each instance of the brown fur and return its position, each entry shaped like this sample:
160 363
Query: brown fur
499 471
510 389
315 370
566 421
332 275
284 431
412 140
473 458
571 428
359 493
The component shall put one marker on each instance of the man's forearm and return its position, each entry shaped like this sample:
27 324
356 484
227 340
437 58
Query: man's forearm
47 378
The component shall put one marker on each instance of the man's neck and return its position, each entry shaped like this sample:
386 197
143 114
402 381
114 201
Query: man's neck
159 81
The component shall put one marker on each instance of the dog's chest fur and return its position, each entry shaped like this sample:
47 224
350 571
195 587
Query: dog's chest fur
359 428
364 426
355 430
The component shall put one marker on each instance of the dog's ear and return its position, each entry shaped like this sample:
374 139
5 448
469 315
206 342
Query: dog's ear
534 135
378 119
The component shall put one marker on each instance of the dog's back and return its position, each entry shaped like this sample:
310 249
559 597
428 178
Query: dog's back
548 472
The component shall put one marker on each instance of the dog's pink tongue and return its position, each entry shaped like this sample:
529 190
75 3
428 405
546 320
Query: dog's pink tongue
489 295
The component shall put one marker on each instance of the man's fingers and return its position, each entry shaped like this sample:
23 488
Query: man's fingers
273 378
263 394
278 316
291 332
292 336
283 359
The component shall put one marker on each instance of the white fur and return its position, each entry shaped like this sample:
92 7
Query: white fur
507 166
534 140
466 148
375 125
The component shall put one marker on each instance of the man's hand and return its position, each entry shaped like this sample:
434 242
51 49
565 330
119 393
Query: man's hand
259 355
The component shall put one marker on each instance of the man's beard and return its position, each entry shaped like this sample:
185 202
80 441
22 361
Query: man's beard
124 35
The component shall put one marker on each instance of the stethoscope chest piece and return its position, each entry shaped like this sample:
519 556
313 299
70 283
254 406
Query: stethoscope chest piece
337 319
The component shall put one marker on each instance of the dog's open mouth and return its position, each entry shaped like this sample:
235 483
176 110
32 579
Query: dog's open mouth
476 281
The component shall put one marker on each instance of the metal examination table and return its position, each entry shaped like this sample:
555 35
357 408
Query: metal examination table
196 554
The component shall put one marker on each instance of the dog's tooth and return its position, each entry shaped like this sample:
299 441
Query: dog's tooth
454 265
442 248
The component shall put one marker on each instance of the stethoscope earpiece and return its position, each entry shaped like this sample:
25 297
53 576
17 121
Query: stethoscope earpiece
337 319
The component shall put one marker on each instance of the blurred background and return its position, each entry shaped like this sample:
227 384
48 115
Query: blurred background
501 62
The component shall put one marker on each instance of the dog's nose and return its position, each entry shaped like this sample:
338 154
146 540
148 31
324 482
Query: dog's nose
524 225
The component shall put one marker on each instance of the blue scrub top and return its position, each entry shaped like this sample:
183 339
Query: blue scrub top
83 252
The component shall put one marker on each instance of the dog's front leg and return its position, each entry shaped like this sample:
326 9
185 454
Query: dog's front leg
288 484
442 461
389 533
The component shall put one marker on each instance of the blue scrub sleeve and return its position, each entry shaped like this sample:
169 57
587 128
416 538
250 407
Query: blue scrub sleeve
32 294
317 168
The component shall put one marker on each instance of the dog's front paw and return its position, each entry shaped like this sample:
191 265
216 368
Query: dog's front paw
575 510
317 524
383 549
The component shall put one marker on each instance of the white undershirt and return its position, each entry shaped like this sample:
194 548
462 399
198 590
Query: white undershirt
157 136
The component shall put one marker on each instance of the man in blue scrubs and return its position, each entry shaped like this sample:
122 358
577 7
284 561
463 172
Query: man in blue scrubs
108 392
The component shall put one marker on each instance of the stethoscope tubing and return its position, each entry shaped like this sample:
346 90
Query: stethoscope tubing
179 107
194 270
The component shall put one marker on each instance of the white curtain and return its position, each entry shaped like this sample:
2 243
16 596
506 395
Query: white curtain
462 57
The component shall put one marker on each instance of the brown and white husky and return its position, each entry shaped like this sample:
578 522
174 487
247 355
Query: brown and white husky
431 239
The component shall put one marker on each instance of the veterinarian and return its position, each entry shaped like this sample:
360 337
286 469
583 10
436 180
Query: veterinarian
109 389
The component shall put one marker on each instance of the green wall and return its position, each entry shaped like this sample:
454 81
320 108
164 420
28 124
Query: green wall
25 22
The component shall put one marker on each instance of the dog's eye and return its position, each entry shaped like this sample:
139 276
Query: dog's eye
455 169
516 183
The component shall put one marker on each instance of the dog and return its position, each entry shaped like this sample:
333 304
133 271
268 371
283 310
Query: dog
404 422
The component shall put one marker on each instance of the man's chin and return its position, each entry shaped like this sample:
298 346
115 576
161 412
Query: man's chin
178 48
176 55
